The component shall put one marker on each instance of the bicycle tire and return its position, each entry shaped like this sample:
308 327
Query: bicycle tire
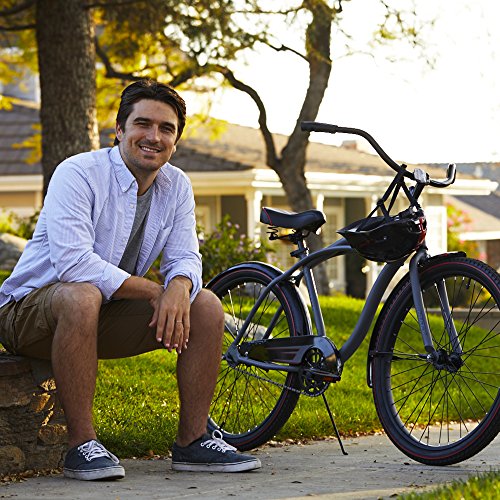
249 410
434 415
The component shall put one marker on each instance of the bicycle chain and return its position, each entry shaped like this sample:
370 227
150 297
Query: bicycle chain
273 382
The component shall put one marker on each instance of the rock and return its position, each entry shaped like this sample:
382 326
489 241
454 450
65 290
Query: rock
11 248
53 434
12 459
33 432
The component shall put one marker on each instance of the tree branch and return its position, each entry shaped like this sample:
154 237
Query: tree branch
285 48
18 28
113 4
271 158
16 9
187 74
110 71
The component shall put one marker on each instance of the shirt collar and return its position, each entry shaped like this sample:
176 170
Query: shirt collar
125 177
123 174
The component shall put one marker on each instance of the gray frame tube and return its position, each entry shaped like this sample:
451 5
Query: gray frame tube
338 248
370 308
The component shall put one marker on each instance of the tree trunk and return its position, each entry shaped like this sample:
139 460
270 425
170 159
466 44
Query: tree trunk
291 167
66 60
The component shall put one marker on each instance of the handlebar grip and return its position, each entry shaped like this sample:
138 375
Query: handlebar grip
451 174
319 127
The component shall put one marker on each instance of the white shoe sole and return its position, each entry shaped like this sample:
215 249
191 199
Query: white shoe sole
234 467
116 472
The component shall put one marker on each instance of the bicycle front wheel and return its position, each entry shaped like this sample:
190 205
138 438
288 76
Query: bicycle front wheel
446 411
250 405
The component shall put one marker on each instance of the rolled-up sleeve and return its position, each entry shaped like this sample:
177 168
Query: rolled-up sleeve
69 204
181 256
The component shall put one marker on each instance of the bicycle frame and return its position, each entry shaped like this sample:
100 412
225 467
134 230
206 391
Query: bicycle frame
305 265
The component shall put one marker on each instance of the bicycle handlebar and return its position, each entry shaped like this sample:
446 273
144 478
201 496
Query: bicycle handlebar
333 129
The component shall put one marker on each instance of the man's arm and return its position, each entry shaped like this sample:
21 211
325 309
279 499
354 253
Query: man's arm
69 205
181 256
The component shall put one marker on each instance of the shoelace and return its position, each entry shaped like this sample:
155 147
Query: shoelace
93 449
217 443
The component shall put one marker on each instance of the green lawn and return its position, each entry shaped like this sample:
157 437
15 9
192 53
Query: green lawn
482 487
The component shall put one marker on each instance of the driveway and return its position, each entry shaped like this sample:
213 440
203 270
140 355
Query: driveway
373 469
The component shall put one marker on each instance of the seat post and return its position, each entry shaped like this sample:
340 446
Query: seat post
302 250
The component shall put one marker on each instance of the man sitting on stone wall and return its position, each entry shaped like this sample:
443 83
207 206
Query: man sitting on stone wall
77 293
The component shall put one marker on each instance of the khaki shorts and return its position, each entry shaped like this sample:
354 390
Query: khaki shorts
27 326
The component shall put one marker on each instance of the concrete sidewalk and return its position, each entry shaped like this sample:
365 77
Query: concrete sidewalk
373 469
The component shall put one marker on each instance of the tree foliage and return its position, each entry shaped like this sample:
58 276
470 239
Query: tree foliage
194 43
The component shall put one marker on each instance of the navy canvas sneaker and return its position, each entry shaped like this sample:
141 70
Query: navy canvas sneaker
91 461
211 454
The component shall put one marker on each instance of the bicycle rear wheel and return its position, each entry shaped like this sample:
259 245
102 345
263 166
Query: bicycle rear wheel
250 405
441 413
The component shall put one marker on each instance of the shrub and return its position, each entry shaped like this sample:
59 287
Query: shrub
221 249
226 247
18 226
4 275
458 221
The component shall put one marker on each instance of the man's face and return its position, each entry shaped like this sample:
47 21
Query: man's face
148 140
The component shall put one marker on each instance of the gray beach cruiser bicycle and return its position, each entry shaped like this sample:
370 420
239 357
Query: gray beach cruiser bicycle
434 355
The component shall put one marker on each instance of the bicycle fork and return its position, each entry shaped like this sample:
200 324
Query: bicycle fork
437 357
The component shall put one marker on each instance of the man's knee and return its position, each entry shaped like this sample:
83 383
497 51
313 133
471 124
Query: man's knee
73 298
207 308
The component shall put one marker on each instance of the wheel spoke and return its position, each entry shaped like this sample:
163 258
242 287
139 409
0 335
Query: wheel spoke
251 404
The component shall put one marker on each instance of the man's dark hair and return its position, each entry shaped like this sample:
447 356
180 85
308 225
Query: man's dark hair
153 90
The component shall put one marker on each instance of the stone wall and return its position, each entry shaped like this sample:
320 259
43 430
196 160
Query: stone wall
33 431
11 248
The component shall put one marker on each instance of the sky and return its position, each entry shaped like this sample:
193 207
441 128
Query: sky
447 113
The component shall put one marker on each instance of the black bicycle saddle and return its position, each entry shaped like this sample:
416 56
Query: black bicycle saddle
310 220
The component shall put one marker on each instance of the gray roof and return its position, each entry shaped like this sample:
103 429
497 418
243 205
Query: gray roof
488 204
482 210
240 148
17 125
481 170
236 148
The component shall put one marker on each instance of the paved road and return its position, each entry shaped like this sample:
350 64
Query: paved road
373 469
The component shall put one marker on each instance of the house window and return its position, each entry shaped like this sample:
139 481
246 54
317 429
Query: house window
334 267
206 212
203 219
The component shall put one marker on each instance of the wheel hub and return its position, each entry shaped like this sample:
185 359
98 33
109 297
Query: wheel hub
442 360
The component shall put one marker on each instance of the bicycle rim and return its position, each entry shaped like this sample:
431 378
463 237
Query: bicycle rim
441 413
250 405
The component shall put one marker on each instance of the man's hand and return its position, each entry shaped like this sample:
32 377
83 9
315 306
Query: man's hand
171 314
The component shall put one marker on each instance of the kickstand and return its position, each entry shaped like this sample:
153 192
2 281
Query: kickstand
334 425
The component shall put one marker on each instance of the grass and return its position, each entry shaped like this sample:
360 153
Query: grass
483 487
136 406
4 275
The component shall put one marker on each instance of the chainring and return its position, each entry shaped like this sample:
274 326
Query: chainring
311 383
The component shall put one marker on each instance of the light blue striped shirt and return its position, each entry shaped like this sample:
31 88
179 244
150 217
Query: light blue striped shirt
86 222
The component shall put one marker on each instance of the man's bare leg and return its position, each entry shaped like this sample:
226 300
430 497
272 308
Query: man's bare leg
74 355
198 366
